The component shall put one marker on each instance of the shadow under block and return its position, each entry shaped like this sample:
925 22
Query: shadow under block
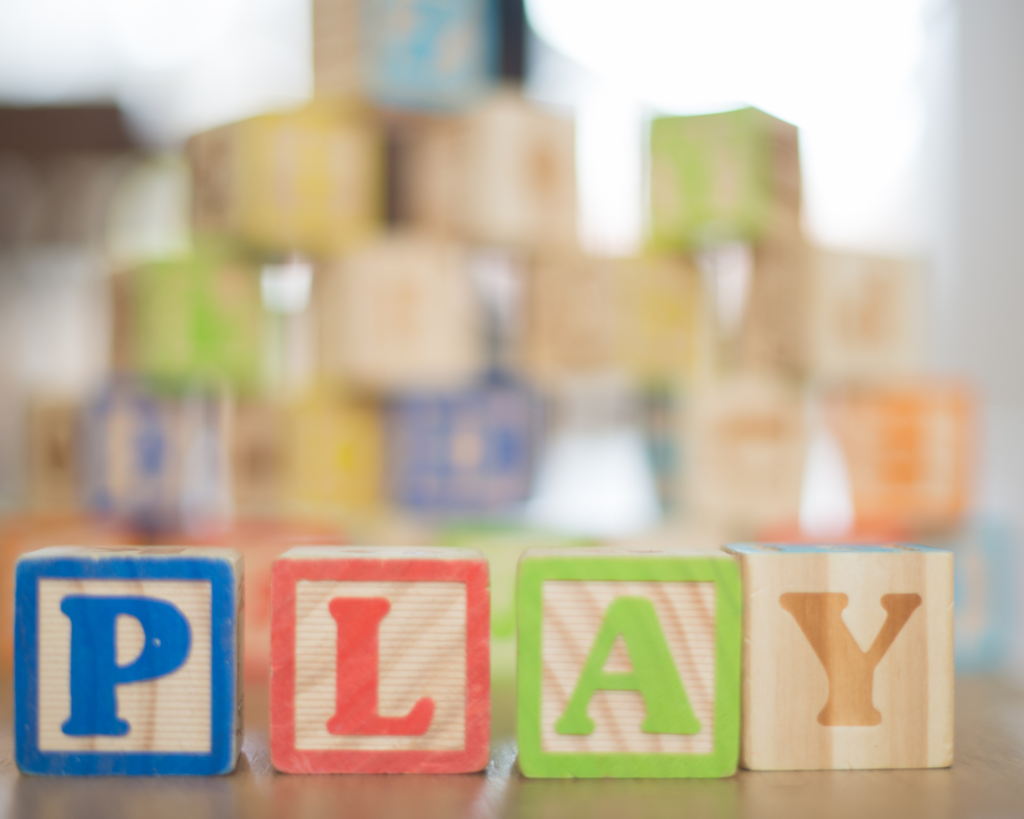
380 661
629 663
848 657
127 662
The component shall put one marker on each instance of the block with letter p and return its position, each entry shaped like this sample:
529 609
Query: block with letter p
380 660
127 661
848 656
629 663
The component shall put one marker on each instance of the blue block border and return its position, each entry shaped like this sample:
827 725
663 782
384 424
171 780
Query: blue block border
220 759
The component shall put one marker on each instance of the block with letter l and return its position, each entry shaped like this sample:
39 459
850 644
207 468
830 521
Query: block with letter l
380 660
848 656
629 663
127 661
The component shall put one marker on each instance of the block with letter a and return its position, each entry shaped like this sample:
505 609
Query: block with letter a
127 661
848 656
629 663
380 660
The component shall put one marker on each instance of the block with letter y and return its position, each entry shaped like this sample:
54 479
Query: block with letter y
848 656
127 661
380 660
629 663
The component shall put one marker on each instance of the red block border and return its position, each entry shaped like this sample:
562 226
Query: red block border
475 754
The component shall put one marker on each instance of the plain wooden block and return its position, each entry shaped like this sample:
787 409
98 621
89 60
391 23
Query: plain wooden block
127 662
629 663
756 300
909 450
53 457
745 444
308 180
866 316
257 450
717 177
848 656
380 661
404 53
570 317
467 452
402 313
333 454
503 174
657 302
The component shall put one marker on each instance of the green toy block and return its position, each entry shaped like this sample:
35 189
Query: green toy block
198 321
718 177
629 663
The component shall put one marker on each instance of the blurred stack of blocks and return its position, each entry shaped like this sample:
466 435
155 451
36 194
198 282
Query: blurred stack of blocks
382 316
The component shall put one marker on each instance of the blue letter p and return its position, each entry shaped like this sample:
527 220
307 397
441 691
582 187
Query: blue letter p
94 669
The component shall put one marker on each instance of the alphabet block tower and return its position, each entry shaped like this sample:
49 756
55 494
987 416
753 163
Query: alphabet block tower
127 661
380 660
848 657
629 663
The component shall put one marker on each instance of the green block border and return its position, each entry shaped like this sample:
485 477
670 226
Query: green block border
724 572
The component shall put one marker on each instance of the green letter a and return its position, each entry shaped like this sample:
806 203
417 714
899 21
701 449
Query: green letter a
654 673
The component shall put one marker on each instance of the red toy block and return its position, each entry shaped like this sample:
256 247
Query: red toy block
380 660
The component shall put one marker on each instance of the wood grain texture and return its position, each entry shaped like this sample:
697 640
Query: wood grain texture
169 713
909 450
848 657
573 611
422 661
183 715
566 602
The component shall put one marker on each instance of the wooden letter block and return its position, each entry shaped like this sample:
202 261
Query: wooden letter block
127 661
717 177
629 663
404 53
380 661
467 452
848 657
402 313
909 451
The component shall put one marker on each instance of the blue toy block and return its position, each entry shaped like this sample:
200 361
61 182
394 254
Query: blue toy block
984 594
428 54
154 461
127 661
469 452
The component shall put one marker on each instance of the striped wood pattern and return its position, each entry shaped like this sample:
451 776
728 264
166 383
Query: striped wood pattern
785 686
422 654
573 611
171 713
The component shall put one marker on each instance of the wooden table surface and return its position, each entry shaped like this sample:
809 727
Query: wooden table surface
987 780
